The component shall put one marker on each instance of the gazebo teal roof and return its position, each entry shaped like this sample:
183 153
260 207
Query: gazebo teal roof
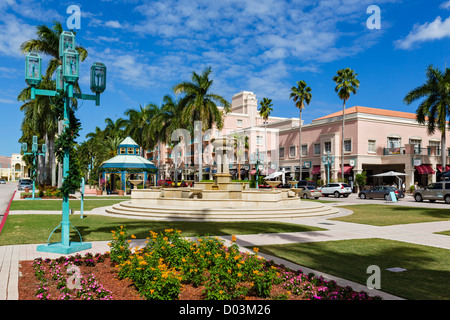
128 157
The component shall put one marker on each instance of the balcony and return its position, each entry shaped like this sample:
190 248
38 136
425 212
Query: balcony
414 150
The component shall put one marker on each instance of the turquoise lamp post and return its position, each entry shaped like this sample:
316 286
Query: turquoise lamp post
35 153
67 76
328 161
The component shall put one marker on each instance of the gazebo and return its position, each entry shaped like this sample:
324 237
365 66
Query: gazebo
128 161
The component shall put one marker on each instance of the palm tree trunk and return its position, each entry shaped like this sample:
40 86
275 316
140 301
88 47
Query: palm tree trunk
443 149
300 145
342 142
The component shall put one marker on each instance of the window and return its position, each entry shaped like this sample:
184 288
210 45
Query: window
292 151
437 145
239 123
304 149
281 151
417 145
327 146
122 150
348 145
372 146
316 148
259 140
394 142
130 150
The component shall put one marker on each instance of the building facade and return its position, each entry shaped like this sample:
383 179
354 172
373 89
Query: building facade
376 141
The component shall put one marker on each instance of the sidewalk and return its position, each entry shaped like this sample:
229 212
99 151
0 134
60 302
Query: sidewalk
420 233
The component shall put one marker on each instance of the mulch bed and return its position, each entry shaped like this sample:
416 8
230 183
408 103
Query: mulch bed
121 289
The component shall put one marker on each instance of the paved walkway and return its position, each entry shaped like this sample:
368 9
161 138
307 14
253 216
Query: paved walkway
420 233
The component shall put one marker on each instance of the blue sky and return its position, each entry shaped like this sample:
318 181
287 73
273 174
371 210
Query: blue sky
264 46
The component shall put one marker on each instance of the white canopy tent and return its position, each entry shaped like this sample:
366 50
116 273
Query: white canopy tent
391 174
277 174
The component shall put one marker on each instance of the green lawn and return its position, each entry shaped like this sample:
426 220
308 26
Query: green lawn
428 268
55 205
24 228
386 215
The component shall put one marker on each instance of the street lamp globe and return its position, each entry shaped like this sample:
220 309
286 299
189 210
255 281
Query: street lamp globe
98 77
59 78
66 42
33 69
71 66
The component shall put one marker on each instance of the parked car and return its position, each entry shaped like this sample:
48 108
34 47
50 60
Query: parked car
309 192
2 181
381 192
303 183
434 191
25 183
164 183
336 189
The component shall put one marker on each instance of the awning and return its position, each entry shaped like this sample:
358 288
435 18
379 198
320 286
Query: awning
315 170
347 169
425 169
439 168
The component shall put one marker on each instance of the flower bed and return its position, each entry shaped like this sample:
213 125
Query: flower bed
171 267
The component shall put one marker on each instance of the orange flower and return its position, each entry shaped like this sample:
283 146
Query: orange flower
233 238
133 236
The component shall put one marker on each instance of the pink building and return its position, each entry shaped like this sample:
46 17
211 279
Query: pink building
376 141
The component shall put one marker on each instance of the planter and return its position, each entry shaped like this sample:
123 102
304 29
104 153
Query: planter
27 190
120 192
99 192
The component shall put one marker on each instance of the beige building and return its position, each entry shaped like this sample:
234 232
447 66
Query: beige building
13 168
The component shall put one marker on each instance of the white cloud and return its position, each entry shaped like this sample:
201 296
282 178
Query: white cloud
14 33
428 31
445 5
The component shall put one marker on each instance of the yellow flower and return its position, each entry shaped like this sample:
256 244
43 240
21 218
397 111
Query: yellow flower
256 249
239 274
121 233
133 236
233 238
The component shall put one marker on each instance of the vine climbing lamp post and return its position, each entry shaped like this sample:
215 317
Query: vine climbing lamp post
35 153
67 76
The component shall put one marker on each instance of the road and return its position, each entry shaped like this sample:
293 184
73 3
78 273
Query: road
408 201
6 192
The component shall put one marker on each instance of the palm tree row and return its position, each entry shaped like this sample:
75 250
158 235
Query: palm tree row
152 125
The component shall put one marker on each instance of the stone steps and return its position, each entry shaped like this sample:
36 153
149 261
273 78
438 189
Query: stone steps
304 209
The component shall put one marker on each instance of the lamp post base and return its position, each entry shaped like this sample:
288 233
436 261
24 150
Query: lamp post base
58 247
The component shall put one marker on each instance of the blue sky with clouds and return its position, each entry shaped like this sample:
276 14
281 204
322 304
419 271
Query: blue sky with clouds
264 46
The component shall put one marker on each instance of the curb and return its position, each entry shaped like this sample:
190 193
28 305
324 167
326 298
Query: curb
6 213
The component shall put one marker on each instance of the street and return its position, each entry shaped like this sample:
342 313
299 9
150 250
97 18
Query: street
6 192
408 201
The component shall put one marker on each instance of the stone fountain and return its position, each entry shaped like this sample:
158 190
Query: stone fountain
220 200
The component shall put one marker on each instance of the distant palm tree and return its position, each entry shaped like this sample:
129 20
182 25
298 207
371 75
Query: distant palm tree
435 108
264 112
200 104
301 95
138 125
346 83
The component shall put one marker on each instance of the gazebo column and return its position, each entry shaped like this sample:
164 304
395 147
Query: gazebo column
104 179
145 179
123 176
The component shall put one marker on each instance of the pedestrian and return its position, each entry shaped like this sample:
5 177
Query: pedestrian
416 185
403 187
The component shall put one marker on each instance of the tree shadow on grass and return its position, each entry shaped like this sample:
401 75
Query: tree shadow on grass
427 275
435 213
141 228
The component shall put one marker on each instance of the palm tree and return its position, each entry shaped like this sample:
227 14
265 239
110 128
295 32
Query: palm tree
200 104
346 84
41 119
264 112
435 108
115 128
301 95
138 125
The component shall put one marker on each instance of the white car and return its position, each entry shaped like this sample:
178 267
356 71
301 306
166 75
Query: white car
2 181
336 189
